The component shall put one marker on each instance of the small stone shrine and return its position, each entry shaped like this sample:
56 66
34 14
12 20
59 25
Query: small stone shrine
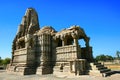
46 51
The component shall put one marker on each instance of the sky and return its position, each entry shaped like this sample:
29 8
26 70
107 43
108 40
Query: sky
100 19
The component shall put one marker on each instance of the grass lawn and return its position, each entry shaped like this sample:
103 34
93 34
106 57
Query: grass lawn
113 66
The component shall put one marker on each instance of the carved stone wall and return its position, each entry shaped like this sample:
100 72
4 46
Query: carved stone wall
45 50
66 53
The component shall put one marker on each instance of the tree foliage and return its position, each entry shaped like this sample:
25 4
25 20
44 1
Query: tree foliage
5 61
0 60
103 57
118 54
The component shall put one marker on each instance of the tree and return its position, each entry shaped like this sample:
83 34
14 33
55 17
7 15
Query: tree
103 57
6 61
0 61
118 54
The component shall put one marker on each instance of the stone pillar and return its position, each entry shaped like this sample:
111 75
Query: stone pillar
78 52
87 41
17 45
72 66
75 41
63 40
75 37
63 43
87 44
80 66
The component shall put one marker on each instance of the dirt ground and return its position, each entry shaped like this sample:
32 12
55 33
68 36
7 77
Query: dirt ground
58 76
113 66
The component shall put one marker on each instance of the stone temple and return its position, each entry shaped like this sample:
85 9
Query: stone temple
46 51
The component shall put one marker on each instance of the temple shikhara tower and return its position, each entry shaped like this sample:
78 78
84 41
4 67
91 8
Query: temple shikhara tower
46 51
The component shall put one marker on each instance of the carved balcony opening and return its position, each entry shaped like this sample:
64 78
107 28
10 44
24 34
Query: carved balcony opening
22 44
59 43
69 41
82 42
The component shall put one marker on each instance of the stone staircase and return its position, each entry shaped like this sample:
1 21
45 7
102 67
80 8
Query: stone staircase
98 69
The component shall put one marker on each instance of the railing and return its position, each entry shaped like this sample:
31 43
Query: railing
66 53
65 49
20 51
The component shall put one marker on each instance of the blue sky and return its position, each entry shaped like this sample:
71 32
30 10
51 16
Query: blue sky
99 18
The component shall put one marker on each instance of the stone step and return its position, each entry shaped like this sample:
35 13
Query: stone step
96 63
95 73
108 73
99 68
104 70
99 65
